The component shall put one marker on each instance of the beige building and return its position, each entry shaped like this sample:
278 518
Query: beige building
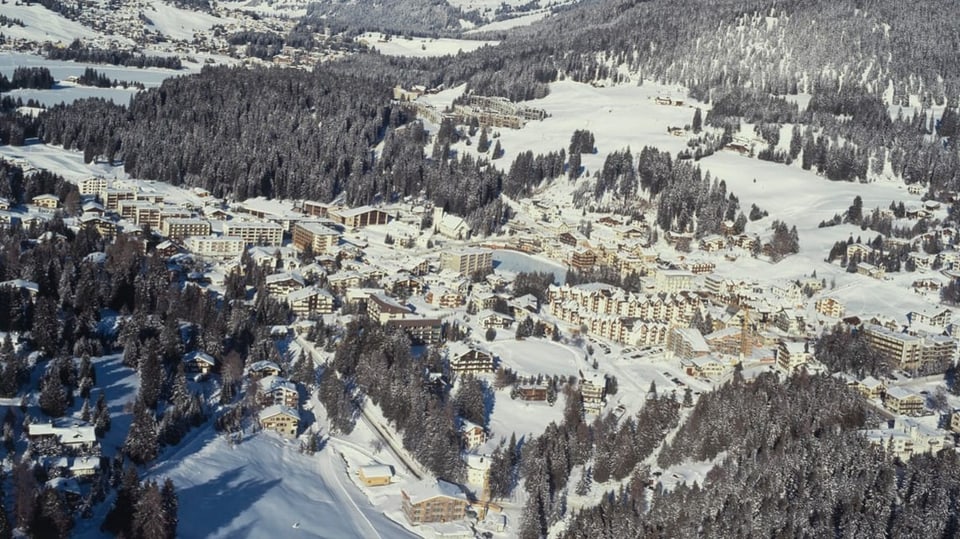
903 402
427 501
46 202
319 238
310 301
92 186
830 307
467 261
179 228
375 475
792 355
278 390
281 419
912 353
593 385
255 232
216 246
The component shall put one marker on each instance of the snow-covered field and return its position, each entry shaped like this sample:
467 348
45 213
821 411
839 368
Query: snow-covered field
264 487
41 24
420 47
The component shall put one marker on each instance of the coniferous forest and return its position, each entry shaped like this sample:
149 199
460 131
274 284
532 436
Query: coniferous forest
787 458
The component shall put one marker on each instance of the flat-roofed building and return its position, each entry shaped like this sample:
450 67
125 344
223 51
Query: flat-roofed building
179 228
255 232
216 246
319 238
112 197
467 261
94 185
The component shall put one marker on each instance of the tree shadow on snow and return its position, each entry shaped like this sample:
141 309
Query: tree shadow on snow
208 507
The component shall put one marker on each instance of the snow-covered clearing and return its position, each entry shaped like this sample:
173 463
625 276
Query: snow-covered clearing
420 47
181 24
41 24
263 486
538 356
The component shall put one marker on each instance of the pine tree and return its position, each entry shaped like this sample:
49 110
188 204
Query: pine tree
141 443
149 517
170 507
697 121
150 368
53 398
52 518
101 417
119 520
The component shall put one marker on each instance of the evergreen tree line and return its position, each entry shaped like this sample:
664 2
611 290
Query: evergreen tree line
763 437
78 51
27 77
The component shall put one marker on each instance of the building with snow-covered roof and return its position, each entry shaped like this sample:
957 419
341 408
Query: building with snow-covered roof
902 401
281 419
359 217
473 435
907 437
179 228
467 261
375 475
686 343
263 368
383 308
925 355
593 386
73 436
199 361
255 232
427 501
277 390
319 238
216 246
792 355
469 358
281 284
310 301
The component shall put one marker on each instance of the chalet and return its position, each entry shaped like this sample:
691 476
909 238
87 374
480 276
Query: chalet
375 475
902 401
473 435
701 268
200 362
73 436
583 259
532 393
492 319
448 225
468 358
104 227
46 201
277 390
262 369
167 249
92 208
871 388
426 502
4 204
706 367
310 301
712 243
444 297
830 307
281 419
281 284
